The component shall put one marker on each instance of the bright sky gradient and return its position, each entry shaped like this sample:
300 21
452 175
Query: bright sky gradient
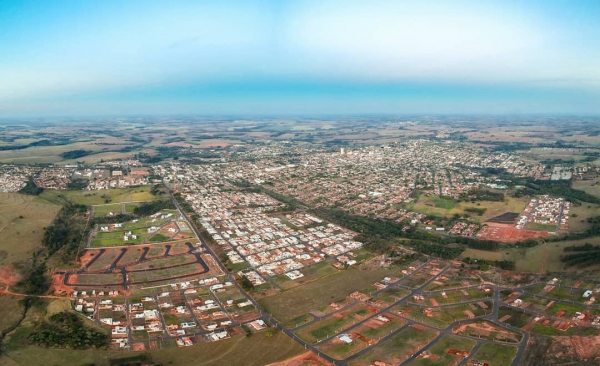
298 57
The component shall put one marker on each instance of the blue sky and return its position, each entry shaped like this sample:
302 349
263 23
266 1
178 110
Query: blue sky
299 57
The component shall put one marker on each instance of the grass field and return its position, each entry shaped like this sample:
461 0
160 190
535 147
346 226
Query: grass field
583 211
334 324
494 208
496 354
10 311
117 195
257 350
20 235
289 304
440 349
311 273
104 210
165 273
397 348
446 207
545 257
588 186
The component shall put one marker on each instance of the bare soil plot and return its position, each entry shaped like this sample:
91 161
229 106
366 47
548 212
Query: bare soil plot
487 330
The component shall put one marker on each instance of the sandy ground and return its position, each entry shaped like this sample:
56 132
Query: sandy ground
307 358
9 276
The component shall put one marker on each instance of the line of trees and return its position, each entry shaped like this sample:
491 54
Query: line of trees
31 189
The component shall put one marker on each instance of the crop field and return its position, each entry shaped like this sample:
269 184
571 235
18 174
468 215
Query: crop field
298 301
334 324
495 354
398 348
440 352
22 222
494 208
117 195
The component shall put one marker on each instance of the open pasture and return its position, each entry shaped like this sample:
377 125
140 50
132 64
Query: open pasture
116 195
22 222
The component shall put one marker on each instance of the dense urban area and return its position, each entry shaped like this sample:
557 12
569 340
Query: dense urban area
413 241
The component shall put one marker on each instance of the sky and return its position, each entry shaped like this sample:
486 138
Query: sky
77 58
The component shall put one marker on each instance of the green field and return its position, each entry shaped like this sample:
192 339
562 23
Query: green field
398 348
540 227
494 208
323 329
440 349
441 206
311 273
117 195
10 310
289 304
104 210
159 274
257 350
496 354
22 222
588 186
583 212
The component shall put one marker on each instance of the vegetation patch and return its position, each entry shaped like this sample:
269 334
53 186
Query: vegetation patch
67 330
